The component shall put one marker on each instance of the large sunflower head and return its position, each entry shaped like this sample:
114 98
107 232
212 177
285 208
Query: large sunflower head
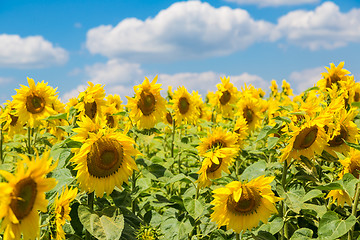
334 76
184 105
148 106
226 97
91 101
307 140
240 206
351 164
35 102
23 195
61 211
104 161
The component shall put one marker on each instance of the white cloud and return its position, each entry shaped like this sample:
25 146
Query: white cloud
120 77
4 80
73 93
306 78
324 28
29 52
185 30
273 3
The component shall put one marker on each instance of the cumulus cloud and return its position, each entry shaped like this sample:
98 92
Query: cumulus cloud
273 3
120 77
185 30
324 28
29 52
306 78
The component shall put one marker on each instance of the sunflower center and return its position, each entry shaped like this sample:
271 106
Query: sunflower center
14 120
332 79
214 166
90 109
339 139
110 121
23 198
225 97
147 103
169 118
218 143
248 115
35 103
105 157
248 202
62 212
354 168
305 138
183 105
357 97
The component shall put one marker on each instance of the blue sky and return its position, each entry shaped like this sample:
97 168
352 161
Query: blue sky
190 43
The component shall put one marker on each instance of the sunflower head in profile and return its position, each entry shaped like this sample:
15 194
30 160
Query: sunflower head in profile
184 106
351 164
91 101
225 97
241 130
35 102
340 197
274 89
240 206
61 211
23 195
104 161
218 150
334 76
147 107
286 89
306 140
344 130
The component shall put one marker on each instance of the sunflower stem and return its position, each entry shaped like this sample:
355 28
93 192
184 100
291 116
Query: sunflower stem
173 138
354 209
283 206
133 189
91 206
29 141
238 236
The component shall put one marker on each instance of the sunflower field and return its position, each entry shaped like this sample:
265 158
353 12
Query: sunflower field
240 163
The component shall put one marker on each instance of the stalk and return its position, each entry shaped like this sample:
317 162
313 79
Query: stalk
1 144
91 206
283 206
133 186
173 138
29 141
354 209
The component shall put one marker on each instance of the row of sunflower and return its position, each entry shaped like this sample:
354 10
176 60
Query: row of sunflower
239 165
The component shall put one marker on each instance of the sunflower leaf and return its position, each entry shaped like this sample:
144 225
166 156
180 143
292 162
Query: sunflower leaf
302 234
194 207
331 227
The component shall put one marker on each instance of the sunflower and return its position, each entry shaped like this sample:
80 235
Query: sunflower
286 89
86 128
340 196
148 106
307 140
225 97
23 195
351 164
104 161
345 130
184 105
218 150
34 103
356 93
241 130
333 76
249 108
274 89
91 101
242 206
114 100
62 211
10 118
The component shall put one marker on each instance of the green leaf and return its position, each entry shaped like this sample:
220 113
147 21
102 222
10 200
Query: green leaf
331 227
349 183
353 145
274 226
101 227
293 197
157 170
265 131
262 235
312 194
254 170
331 186
57 116
194 207
302 234
271 142
284 119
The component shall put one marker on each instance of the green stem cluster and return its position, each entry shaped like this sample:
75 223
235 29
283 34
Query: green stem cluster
354 209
